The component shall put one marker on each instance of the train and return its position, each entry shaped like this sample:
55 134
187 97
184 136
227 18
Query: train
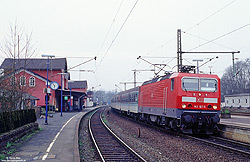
186 102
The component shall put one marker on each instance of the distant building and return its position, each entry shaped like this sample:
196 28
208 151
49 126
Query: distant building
89 100
237 100
80 87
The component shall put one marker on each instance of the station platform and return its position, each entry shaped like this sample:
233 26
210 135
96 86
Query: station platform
236 120
236 128
56 142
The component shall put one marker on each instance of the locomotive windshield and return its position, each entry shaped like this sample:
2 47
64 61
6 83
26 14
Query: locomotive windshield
199 84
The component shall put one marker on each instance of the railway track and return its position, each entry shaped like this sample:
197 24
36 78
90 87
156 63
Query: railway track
228 144
109 146
240 113
224 143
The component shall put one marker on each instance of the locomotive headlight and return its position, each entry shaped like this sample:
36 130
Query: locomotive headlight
215 107
184 106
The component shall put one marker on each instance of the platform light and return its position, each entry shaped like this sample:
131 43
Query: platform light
47 83
62 91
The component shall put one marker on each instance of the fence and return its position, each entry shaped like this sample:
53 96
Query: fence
14 119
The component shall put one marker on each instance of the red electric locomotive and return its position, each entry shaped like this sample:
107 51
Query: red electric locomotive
182 101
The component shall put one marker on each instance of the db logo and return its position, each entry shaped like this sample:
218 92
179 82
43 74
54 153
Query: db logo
200 100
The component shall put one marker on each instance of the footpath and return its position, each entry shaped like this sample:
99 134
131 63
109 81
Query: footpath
56 142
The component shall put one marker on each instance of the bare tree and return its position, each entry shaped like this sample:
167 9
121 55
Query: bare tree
239 82
16 45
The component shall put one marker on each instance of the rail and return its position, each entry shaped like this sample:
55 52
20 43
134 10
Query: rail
109 146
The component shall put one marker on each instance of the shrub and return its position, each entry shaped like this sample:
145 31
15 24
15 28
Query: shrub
14 119
226 112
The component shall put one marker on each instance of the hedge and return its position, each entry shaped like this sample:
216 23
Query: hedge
14 119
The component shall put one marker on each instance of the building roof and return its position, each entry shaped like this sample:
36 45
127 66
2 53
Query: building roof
78 84
238 95
27 71
27 96
35 64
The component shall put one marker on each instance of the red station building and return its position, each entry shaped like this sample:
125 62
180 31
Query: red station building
31 74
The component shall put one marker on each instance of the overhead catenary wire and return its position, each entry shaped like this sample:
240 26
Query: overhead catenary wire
228 33
216 12
171 40
82 63
110 27
208 40
105 38
117 34
73 57
133 67
208 17
155 49
211 15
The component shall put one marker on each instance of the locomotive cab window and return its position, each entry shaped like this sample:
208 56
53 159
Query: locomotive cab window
209 85
190 84
199 84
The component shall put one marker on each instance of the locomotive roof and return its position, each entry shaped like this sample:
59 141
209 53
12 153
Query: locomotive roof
194 75
156 79
169 75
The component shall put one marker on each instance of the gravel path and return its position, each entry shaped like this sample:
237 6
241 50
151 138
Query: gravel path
155 145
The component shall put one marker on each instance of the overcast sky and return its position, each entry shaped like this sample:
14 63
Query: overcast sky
118 31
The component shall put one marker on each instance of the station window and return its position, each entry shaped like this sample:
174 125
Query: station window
246 100
32 82
233 100
239 100
12 80
23 81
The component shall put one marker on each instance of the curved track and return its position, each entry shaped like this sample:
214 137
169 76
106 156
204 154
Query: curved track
109 146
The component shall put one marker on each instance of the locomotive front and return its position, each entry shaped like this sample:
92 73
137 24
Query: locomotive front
198 100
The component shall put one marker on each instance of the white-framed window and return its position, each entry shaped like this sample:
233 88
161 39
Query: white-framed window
32 82
12 80
23 81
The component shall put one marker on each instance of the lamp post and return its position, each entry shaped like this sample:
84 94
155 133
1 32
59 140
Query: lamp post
70 94
47 83
61 91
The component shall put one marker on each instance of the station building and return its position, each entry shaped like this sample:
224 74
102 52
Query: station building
238 100
31 75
